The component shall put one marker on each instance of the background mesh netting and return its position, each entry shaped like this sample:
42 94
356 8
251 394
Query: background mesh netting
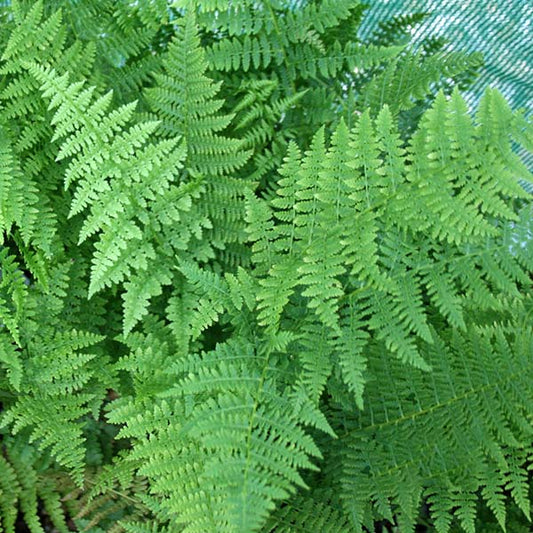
500 29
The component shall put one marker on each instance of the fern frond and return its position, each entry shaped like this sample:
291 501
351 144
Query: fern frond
141 288
409 78
350 355
352 215
306 514
9 488
418 405
234 436
35 206
184 100
45 33
13 292
112 170
55 398
23 492
212 297
18 195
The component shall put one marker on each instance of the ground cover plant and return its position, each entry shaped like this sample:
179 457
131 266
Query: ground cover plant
258 274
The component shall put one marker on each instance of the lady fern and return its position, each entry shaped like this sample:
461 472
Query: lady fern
257 274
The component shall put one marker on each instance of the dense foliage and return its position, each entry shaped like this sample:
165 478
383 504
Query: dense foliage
257 274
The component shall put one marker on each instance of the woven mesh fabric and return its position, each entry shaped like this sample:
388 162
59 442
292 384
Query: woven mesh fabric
501 29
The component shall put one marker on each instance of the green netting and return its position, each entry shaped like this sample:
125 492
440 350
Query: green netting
501 29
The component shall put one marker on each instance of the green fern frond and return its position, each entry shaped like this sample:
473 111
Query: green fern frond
292 42
196 115
409 78
238 438
44 33
426 403
212 297
108 165
184 100
22 494
18 194
9 488
343 216
306 514
56 398
13 292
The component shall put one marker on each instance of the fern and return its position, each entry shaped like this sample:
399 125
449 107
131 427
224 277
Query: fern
184 100
110 184
397 424
57 374
409 77
258 273
235 438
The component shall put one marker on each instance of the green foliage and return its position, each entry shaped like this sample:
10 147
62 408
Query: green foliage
257 274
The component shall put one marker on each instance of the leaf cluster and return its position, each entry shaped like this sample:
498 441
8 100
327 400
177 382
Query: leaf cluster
257 274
